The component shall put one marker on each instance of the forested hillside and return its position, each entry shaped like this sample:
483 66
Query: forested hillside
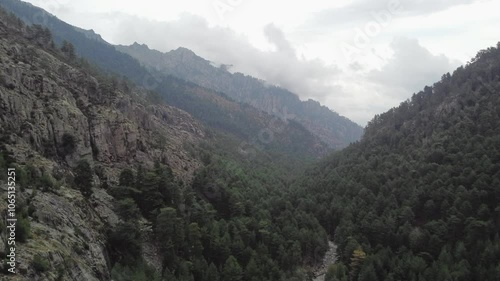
418 198
126 172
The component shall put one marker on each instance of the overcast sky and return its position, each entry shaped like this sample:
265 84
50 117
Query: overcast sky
359 57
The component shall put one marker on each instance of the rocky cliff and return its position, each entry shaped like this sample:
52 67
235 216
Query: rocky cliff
43 99
52 114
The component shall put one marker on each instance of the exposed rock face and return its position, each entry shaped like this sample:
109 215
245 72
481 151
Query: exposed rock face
66 231
329 259
43 99
44 102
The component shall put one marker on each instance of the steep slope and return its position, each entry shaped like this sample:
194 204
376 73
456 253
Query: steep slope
259 131
114 184
335 130
44 98
87 43
418 197
53 114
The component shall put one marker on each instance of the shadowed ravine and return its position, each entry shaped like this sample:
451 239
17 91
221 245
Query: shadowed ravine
328 259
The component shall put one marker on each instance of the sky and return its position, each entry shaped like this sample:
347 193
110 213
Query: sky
358 57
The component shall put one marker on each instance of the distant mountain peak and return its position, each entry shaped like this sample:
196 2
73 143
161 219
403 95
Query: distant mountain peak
140 46
91 34
182 51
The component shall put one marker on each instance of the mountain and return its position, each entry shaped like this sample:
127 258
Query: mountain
125 172
335 130
210 107
113 182
53 115
87 43
331 128
418 197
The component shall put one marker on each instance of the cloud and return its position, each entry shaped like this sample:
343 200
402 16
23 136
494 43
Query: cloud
411 68
275 36
308 78
365 10
358 91
378 77
408 70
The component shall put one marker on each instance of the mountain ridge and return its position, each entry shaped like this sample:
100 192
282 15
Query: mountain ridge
335 130
331 128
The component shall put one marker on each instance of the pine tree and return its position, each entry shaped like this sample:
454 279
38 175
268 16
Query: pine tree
127 178
337 272
231 270
367 273
83 178
212 273
68 49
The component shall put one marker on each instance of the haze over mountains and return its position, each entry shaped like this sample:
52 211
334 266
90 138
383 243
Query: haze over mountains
137 165
331 128
303 49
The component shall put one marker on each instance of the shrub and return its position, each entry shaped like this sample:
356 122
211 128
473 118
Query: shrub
31 210
22 177
23 229
46 181
123 192
127 178
60 272
137 272
83 178
127 209
68 144
40 263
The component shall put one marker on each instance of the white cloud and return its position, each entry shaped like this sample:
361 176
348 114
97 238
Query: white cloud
363 10
309 78
411 67
296 44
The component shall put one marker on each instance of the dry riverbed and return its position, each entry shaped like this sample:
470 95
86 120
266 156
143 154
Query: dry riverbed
328 259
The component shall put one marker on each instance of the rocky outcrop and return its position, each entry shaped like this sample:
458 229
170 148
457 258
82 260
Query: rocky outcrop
53 114
68 232
43 99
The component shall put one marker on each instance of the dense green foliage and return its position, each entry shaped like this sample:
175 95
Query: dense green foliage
83 177
232 224
420 193
416 199
40 263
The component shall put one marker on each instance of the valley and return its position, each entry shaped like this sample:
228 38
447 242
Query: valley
133 164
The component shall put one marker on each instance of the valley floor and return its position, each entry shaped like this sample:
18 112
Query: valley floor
328 259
